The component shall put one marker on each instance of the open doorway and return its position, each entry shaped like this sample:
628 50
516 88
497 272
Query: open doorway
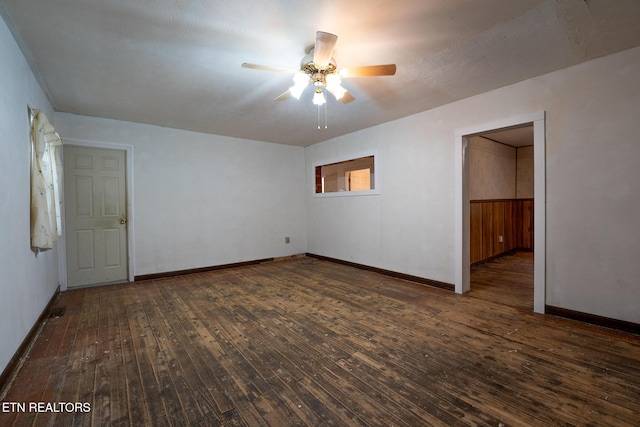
501 207
462 259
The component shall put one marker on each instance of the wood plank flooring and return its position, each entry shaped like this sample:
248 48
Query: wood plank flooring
506 280
307 342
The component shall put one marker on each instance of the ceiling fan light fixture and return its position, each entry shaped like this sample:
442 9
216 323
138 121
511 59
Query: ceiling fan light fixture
333 79
318 97
296 91
334 86
301 81
338 92
300 78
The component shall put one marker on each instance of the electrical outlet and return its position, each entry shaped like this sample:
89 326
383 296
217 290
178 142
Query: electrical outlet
287 239
499 239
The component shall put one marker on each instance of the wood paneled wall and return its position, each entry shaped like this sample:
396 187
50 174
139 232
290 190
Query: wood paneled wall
499 226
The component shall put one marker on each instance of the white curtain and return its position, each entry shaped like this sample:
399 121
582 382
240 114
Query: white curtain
46 176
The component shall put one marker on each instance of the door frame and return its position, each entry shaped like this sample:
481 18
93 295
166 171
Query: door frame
462 260
128 155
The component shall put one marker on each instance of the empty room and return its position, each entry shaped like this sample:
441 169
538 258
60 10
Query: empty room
277 213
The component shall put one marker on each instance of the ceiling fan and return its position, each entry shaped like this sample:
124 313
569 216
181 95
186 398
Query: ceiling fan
319 69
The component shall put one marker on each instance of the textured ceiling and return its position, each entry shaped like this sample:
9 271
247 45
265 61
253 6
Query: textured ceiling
176 63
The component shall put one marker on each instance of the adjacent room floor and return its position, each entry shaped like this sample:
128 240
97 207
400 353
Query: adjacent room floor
309 342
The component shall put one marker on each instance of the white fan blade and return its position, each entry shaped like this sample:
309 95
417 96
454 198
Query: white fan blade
325 42
369 71
267 68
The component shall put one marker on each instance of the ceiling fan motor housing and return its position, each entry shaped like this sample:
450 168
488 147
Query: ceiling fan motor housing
316 73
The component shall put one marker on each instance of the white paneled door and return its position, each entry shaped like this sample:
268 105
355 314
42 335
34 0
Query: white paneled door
95 215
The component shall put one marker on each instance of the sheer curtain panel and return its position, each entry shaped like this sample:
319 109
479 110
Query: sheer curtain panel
46 172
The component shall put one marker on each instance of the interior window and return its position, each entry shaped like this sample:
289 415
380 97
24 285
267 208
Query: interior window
347 176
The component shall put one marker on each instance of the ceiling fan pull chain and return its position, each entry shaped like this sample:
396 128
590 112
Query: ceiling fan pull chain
325 115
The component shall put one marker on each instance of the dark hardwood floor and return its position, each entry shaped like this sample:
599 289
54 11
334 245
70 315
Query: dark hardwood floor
506 280
309 342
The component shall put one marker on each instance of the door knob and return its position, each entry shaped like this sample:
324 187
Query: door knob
123 221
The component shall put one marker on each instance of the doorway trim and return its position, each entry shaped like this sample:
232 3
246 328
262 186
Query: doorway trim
128 155
462 260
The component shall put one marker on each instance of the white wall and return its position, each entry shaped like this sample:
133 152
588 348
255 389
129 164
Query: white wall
204 200
408 227
27 281
592 153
